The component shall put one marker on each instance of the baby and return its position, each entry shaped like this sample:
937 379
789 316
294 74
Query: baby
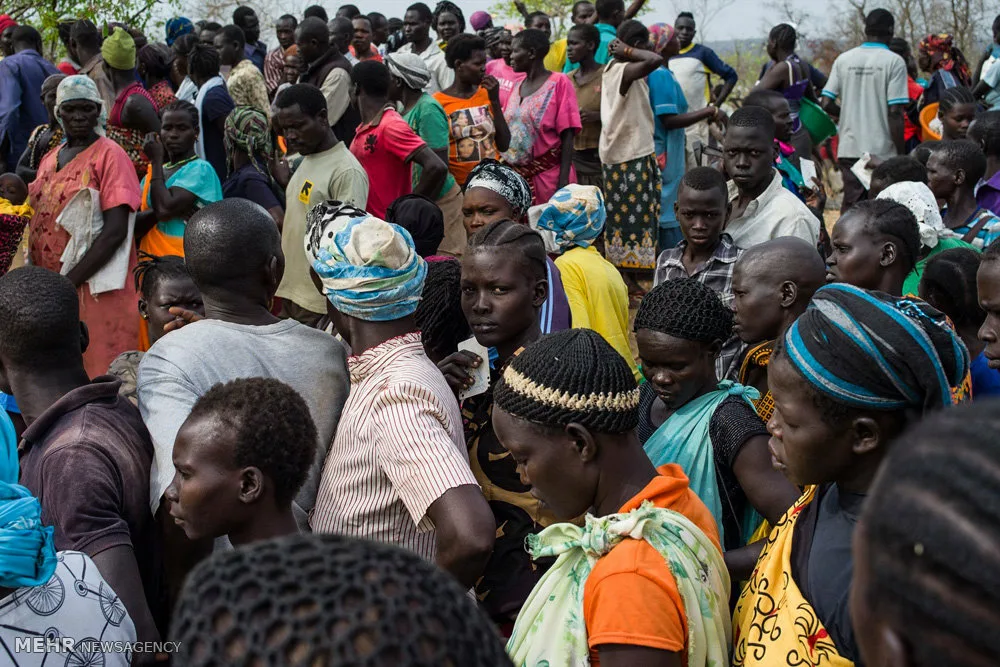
14 216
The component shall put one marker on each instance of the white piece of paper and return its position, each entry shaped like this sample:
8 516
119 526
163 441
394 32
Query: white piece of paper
480 374
808 170
862 171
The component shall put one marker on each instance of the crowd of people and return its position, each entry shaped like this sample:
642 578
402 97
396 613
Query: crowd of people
482 347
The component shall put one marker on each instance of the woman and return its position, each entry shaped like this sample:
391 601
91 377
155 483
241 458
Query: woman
497 192
581 45
498 48
447 21
155 64
847 378
939 57
598 298
44 137
134 114
710 429
790 77
89 160
956 111
248 154
628 156
475 118
641 581
185 87
543 118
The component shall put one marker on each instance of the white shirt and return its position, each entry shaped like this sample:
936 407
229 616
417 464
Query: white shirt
776 212
442 76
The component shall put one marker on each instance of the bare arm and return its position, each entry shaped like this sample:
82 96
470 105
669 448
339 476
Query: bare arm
634 9
682 120
566 156
768 491
118 567
981 90
433 172
113 234
521 8
140 114
741 562
466 531
773 78
167 203
639 63
501 133
896 126
626 655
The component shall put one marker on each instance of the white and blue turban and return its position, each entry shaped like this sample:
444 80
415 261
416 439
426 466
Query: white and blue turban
369 268
575 214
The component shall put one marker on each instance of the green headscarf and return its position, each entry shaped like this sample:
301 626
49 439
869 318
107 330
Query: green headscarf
119 50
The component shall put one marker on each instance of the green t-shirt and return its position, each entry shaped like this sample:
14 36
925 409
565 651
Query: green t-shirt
911 286
428 120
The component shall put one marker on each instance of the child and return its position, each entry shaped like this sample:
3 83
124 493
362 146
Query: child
876 244
953 170
956 111
231 477
14 216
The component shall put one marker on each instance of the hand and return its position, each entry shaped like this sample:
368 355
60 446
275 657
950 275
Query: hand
618 48
492 87
590 116
873 162
454 368
521 7
153 148
816 197
182 317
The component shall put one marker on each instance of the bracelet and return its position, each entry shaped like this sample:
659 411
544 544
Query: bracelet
627 51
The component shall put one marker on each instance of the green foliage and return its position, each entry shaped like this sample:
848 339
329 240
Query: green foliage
559 12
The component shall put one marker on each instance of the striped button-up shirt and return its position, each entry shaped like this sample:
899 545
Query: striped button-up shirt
398 448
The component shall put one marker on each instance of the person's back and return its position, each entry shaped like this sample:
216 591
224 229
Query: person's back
21 107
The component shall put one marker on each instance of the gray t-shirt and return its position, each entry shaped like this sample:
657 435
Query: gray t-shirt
182 366
867 80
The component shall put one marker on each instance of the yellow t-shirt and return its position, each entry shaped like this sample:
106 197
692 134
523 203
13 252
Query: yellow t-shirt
555 60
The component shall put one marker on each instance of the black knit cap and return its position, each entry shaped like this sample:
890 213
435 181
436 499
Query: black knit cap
571 376
685 309
308 600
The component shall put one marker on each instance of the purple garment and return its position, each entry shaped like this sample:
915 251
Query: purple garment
21 108
555 314
988 194
256 53
248 183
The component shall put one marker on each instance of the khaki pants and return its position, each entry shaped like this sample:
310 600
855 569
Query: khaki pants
455 239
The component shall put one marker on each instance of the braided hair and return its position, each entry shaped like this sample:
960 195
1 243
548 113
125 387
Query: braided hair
963 154
953 97
783 36
521 239
329 600
440 317
448 7
685 309
888 218
931 539
949 284
151 270
573 376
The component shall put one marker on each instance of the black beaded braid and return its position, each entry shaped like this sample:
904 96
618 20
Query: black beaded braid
685 309
308 600
932 556
570 376
949 284
440 318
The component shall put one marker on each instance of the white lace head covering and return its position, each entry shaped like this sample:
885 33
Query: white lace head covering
921 201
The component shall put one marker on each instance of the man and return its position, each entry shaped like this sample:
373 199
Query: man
867 89
21 108
762 208
231 481
254 49
349 12
315 11
398 470
386 146
208 32
233 251
427 118
85 453
380 31
7 25
328 171
68 65
245 83
610 14
361 46
341 34
692 66
988 287
213 103
417 30
85 39
274 64
330 71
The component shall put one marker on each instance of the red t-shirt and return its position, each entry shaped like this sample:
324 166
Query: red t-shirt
913 90
384 148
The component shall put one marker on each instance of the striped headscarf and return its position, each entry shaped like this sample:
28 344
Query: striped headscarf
369 268
177 27
660 35
247 130
81 87
575 213
409 67
504 181
869 350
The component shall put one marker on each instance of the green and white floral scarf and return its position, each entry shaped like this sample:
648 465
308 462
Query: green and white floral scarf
550 630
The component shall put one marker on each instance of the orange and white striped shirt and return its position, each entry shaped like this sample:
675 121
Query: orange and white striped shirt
398 448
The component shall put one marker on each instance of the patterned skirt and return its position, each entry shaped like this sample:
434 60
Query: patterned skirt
632 199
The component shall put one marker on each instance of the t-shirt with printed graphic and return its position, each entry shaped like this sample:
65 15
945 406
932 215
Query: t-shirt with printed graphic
384 147
331 174
470 122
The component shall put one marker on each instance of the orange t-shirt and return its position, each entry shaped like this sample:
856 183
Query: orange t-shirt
471 132
631 597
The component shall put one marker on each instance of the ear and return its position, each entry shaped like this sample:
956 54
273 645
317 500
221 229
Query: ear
84 337
867 435
251 485
143 309
789 292
275 270
583 440
960 176
888 255
541 293
774 152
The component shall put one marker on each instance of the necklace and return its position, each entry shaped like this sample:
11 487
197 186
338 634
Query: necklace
178 165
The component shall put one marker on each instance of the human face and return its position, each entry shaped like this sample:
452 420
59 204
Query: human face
503 47
178 134
521 58
955 124
803 447
550 463
482 206
701 215
749 156
585 14
205 492
415 29
856 255
380 31
293 67
501 296
924 61
362 35
207 37
472 70
578 50
678 370
988 286
251 28
303 133
169 293
7 41
79 118
285 30
13 189
772 49
341 33
757 313
685 31
941 178
782 115
309 48
230 52
447 26
542 23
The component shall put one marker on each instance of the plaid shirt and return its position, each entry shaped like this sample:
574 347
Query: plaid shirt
717 274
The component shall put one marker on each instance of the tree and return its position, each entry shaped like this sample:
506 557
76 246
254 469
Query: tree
560 13
705 12
968 21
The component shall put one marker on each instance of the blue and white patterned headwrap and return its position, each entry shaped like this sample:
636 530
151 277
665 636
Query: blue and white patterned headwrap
81 87
870 350
369 268
176 27
576 214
